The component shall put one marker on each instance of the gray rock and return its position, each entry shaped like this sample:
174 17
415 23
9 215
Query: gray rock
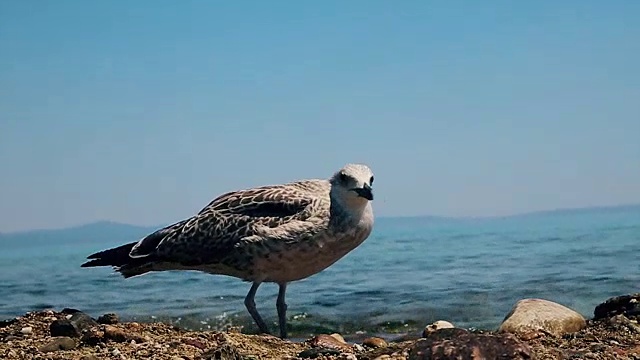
538 316
627 305
108 319
77 323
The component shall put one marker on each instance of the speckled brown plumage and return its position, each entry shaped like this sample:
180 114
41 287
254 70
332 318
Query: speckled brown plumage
276 233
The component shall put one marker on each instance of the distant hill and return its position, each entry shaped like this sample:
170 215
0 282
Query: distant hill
98 231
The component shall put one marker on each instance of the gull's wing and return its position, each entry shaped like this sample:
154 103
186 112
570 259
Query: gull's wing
236 219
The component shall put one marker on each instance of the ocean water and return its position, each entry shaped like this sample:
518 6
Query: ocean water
409 273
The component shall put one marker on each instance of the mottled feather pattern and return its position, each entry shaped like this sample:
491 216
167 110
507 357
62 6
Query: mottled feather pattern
239 225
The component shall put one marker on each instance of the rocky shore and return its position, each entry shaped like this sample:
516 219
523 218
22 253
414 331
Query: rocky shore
534 329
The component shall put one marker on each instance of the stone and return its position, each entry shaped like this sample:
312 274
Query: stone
374 342
89 357
622 322
316 352
115 334
329 342
74 326
347 356
26 330
92 336
223 351
454 343
627 305
440 324
539 316
339 338
58 343
108 319
195 343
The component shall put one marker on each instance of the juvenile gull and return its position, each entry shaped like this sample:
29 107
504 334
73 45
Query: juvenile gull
275 233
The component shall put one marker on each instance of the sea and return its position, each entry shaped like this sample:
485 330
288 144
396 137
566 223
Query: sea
409 273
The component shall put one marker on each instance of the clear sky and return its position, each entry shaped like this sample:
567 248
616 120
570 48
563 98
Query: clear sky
143 111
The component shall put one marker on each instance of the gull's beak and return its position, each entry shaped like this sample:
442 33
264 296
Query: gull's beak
365 191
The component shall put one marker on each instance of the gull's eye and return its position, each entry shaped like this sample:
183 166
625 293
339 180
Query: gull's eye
343 177
371 181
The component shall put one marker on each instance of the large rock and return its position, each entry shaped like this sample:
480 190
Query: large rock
538 316
458 344
627 305
74 326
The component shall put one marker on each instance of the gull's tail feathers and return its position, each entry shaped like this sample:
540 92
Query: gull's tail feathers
119 258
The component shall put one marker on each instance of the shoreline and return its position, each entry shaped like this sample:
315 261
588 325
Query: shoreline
613 333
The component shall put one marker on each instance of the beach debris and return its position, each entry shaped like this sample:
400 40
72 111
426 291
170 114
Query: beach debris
620 321
58 343
108 319
440 324
454 343
374 342
539 317
316 352
73 326
329 342
627 305
89 357
611 338
339 338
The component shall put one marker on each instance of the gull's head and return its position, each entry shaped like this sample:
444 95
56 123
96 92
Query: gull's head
352 185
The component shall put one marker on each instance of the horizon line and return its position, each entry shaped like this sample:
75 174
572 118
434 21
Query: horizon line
467 217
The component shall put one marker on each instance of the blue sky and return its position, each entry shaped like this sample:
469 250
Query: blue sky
143 111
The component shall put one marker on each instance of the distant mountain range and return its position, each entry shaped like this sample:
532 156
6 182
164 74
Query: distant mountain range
97 231
106 230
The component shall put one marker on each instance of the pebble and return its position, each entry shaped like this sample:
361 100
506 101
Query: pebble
542 316
58 343
344 356
329 342
316 352
73 325
462 344
26 330
195 342
374 342
440 324
89 357
339 338
114 333
115 352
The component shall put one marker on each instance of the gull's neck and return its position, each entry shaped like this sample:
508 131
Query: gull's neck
347 211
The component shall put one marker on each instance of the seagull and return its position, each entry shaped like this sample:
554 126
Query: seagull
268 234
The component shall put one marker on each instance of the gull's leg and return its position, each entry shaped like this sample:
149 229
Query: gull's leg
250 303
281 305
